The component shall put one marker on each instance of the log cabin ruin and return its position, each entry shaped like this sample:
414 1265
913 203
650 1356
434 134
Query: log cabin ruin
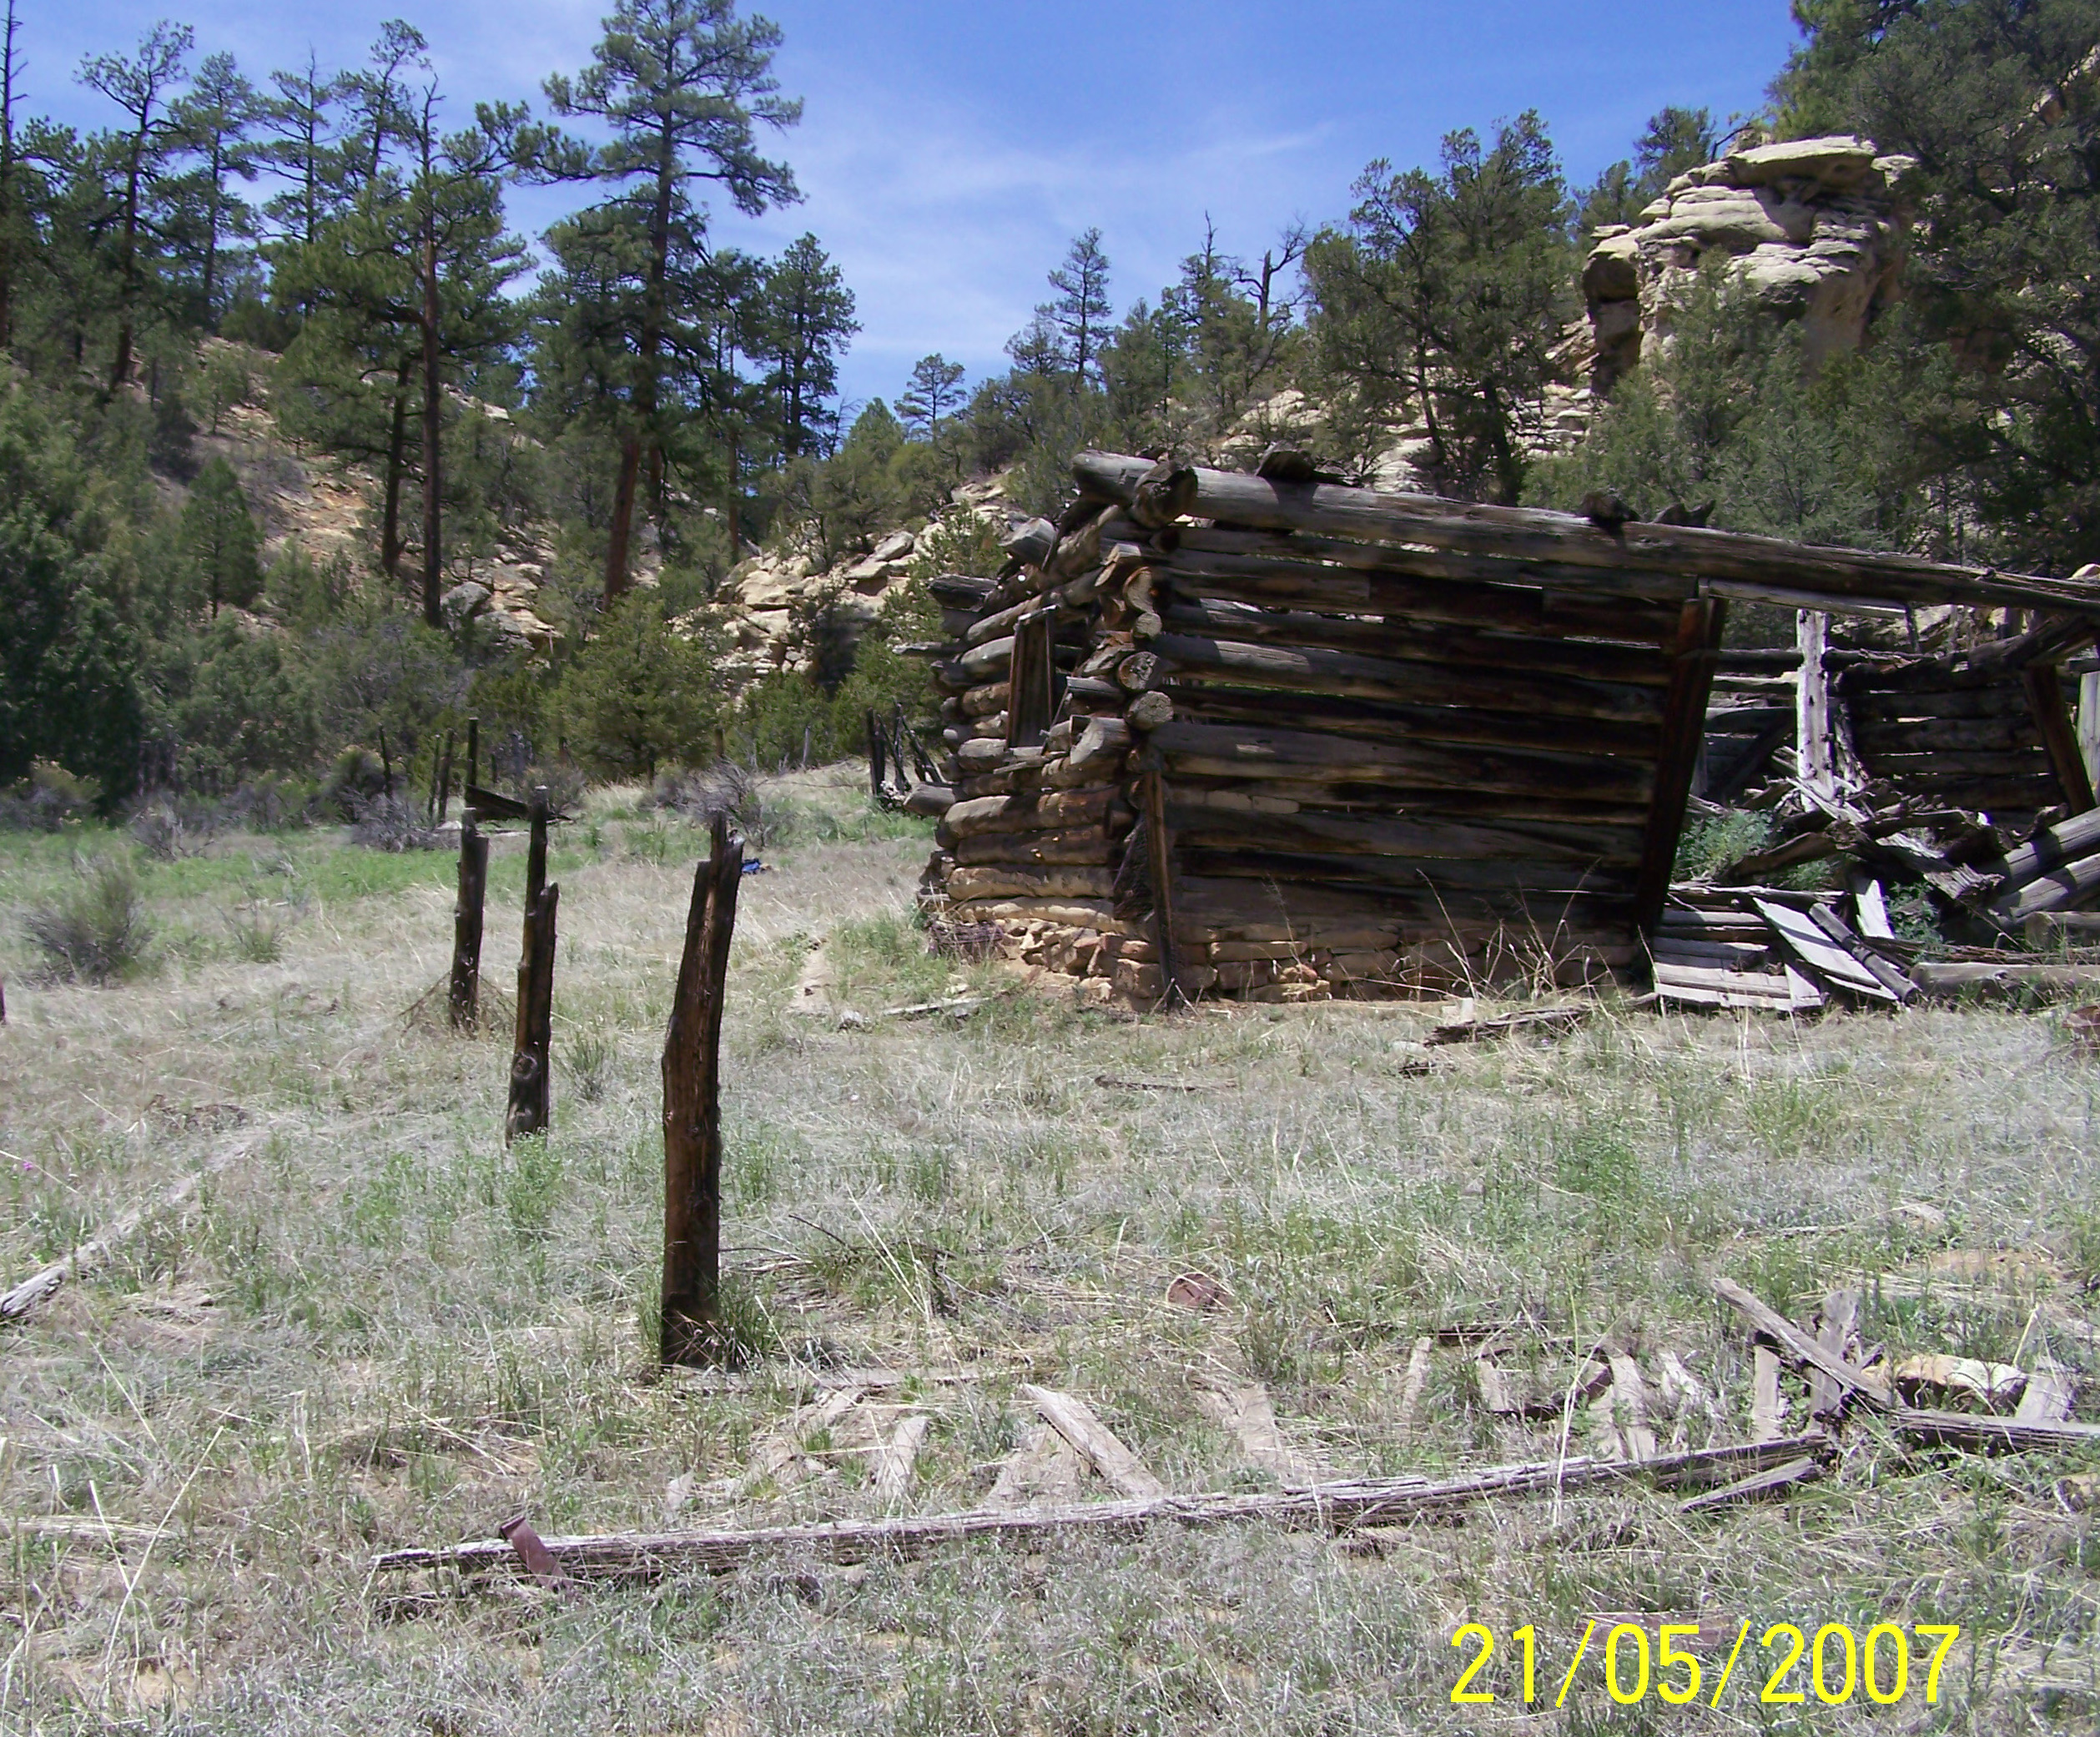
1266 735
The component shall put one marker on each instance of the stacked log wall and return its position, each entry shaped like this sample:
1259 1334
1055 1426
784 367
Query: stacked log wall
1954 731
1375 778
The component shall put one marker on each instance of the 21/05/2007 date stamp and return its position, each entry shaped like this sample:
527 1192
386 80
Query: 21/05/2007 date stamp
1833 1666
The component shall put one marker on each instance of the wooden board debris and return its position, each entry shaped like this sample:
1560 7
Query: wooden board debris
1803 938
1073 1419
1244 1413
1798 1345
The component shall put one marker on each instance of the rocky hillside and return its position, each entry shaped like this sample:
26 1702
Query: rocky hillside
329 509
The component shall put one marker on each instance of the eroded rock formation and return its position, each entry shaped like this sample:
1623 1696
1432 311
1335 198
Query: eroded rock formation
1813 227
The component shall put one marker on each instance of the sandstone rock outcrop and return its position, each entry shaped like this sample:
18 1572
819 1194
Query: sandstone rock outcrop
1813 227
768 601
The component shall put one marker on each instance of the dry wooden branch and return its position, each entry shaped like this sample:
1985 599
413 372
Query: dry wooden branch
17 1304
1331 1506
1551 1021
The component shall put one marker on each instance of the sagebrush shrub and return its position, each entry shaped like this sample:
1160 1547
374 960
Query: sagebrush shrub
97 930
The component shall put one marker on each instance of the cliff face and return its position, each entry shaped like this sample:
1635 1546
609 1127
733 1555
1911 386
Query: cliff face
1815 228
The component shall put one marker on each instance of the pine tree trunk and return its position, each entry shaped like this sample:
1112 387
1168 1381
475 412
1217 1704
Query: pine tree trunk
649 349
389 534
616 553
128 259
433 432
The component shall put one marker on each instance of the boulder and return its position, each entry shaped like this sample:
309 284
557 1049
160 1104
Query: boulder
897 546
1813 227
464 602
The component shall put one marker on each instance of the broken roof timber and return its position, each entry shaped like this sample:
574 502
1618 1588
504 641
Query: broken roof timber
1562 549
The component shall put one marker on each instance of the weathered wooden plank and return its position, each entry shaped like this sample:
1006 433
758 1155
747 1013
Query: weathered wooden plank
1940 735
1797 1344
1208 700
1231 858
1802 936
2059 735
1073 1419
1691 650
1429 836
1313 572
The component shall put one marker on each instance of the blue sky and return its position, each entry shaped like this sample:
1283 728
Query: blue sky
949 152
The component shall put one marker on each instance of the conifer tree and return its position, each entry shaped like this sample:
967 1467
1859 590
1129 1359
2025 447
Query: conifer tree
682 86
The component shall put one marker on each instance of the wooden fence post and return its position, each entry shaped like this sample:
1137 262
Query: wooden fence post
444 793
464 999
693 1112
529 1057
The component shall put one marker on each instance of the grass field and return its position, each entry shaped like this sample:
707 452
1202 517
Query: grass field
373 1326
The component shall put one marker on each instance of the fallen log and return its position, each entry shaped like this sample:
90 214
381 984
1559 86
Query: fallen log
1948 981
2051 848
1974 1430
1328 1507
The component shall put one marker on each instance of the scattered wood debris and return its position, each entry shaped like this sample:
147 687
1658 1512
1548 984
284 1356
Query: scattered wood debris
1074 1420
16 1304
1549 1021
960 1008
1046 1469
1887 1400
1244 1413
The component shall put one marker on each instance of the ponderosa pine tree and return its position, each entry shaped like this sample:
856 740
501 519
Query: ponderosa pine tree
144 88
221 539
1444 299
1999 102
212 121
682 86
805 315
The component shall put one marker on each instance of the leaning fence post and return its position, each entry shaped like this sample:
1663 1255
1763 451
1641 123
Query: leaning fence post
529 1057
693 1112
464 999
